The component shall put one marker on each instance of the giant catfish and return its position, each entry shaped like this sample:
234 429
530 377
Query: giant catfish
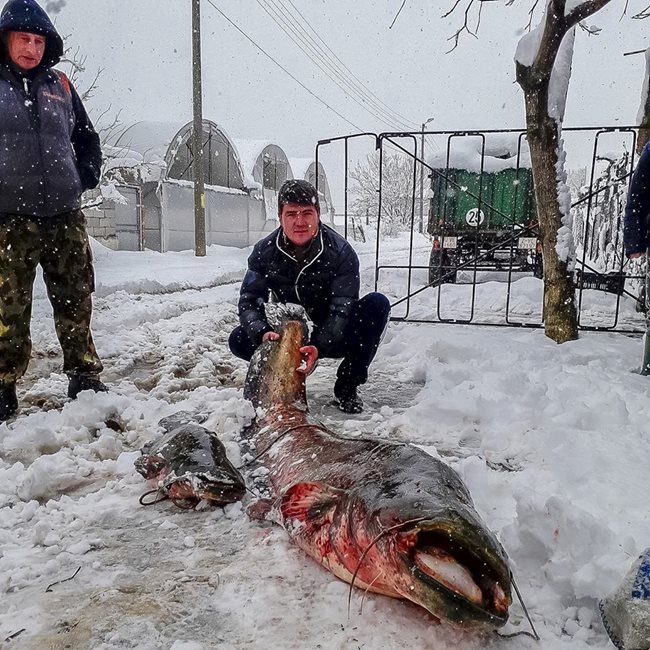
385 517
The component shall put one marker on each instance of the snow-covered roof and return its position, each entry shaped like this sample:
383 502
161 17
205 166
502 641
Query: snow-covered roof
250 156
146 140
249 151
500 153
300 166
153 145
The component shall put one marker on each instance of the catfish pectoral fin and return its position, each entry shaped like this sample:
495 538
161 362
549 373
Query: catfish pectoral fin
260 509
311 504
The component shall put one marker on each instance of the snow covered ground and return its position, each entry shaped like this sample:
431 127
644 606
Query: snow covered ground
552 442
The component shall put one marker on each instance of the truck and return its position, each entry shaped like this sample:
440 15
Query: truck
482 214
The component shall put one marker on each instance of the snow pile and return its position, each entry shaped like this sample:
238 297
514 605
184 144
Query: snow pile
498 151
550 440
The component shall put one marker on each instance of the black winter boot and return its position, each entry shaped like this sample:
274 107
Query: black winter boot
79 382
348 399
8 401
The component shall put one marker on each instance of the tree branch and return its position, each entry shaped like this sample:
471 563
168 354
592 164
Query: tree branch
465 27
397 15
584 10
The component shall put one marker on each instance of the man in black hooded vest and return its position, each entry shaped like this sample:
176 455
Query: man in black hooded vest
49 154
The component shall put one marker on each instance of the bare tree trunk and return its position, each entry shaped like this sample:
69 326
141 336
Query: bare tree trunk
644 122
560 315
534 77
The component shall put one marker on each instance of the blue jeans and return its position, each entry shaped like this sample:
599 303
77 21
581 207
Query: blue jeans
363 334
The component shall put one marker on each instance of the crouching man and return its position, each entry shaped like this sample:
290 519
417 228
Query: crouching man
308 263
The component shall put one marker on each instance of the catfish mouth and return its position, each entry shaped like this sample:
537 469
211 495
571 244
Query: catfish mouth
472 588
188 491
222 495
153 468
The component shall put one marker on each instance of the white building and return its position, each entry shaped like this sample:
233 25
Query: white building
148 189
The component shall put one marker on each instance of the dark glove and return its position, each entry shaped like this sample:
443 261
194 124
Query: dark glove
89 178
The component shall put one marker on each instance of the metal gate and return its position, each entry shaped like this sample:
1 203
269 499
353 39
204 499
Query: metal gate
128 219
469 232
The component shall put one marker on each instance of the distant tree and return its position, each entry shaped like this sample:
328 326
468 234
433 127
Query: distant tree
108 128
543 65
597 219
75 64
396 192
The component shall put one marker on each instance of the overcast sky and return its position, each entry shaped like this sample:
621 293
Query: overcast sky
145 50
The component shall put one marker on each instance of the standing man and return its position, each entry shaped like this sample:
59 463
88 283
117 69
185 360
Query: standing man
49 154
635 231
308 263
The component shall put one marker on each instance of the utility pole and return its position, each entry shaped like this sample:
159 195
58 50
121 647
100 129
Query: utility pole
422 175
197 133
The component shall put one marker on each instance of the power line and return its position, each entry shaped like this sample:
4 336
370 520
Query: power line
306 23
286 71
342 71
282 67
317 62
283 17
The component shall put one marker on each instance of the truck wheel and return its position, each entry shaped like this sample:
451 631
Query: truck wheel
440 268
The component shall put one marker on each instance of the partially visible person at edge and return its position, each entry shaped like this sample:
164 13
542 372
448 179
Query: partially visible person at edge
635 222
309 263
50 154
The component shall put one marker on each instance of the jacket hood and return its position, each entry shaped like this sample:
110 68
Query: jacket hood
28 16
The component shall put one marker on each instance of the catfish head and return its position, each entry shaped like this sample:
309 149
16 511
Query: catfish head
272 377
453 567
443 557
152 466
435 553
189 464
220 488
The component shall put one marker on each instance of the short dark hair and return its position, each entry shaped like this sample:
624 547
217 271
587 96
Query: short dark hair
297 191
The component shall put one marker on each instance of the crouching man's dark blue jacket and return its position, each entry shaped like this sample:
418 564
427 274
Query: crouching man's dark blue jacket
637 209
325 283
49 150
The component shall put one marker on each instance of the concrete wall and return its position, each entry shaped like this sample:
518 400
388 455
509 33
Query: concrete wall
160 217
100 220
151 217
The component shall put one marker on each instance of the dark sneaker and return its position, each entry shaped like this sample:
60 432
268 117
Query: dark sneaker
79 383
8 401
347 397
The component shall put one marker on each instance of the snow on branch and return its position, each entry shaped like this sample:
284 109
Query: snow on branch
537 50
565 12
574 11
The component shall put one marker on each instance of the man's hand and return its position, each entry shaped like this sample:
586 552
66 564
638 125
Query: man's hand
634 256
309 354
310 358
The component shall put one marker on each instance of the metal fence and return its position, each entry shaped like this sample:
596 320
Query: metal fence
479 267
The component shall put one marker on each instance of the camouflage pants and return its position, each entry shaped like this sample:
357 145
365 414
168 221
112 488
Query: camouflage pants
60 245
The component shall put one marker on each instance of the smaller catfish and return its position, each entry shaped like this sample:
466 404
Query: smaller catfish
189 464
